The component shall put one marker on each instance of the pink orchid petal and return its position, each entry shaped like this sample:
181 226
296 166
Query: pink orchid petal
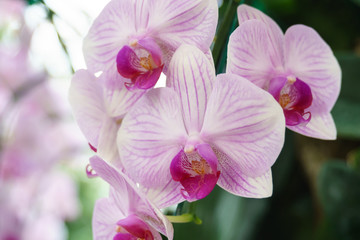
108 34
184 21
275 34
191 75
165 196
150 136
119 100
250 53
320 126
310 59
135 202
86 99
107 148
240 184
105 216
119 182
246 123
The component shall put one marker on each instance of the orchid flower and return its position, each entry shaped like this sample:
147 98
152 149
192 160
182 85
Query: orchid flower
199 132
132 41
99 110
127 213
298 69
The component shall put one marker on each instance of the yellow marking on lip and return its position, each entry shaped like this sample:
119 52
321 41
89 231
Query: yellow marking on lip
284 100
199 167
145 62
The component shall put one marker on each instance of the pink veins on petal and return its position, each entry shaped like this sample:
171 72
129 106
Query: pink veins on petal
141 62
196 171
294 96
132 228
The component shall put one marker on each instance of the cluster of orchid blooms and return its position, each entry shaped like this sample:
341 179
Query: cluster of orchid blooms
36 196
157 147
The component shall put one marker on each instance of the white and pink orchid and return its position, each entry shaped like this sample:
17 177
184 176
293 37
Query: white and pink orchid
298 69
127 213
200 131
132 41
99 110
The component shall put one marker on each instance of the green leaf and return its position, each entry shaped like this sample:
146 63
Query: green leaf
346 114
339 192
350 85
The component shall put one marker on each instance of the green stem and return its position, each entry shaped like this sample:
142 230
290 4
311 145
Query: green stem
184 218
223 33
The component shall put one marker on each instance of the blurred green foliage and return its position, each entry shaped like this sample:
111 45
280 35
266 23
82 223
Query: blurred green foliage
339 193
90 190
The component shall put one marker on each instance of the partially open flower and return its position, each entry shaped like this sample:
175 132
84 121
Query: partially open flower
127 213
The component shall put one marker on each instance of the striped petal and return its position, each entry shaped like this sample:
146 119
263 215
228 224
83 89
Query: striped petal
150 136
120 100
87 101
135 201
244 122
275 34
107 148
105 216
320 126
165 196
251 53
310 59
184 21
108 34
191 75
240 184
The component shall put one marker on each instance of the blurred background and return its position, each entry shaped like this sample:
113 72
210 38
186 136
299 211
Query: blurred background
44 191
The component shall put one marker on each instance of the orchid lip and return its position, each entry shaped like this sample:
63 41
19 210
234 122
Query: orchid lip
132 226
141 62
294 96
196 171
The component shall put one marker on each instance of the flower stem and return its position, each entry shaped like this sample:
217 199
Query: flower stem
184 218
224 29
